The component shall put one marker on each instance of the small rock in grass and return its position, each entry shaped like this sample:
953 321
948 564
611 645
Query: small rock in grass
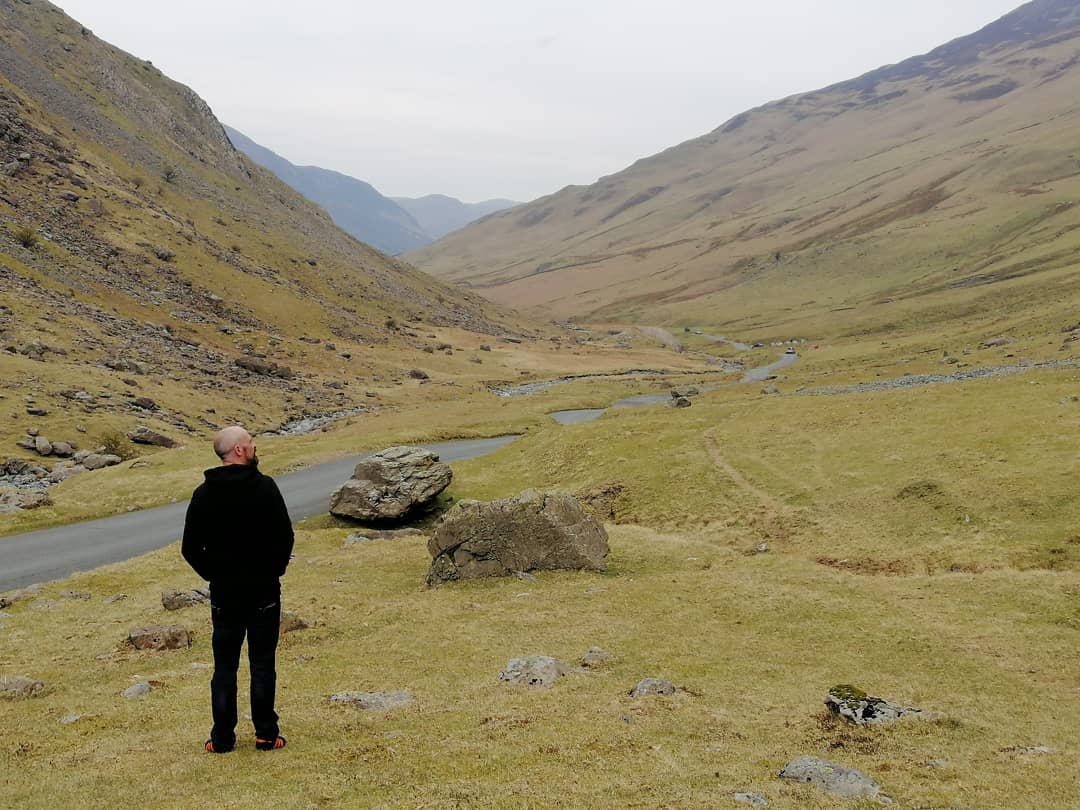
596 658
653 686
752 799
536 671
291 621
844 782
71 718
374 701
139 690
18 686
157 637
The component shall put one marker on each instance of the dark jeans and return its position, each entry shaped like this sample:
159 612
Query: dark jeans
261 624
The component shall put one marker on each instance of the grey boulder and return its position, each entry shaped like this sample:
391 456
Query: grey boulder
653 686
846 783
390 484
529 532
536 670
19 686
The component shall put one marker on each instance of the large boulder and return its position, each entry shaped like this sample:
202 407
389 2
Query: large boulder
532 531
390 484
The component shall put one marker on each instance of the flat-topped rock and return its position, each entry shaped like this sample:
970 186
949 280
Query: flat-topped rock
535 671
838 780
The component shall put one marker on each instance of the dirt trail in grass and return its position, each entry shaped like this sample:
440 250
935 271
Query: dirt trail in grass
771 504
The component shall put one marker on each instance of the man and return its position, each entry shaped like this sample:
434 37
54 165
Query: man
238 536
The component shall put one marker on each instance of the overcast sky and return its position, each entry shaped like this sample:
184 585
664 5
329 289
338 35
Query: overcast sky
492 98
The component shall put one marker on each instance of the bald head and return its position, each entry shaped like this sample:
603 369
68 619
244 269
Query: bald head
230 445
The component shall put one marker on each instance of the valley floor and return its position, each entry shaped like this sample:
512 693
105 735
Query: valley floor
920 543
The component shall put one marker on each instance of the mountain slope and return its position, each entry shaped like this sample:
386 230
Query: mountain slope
439 214
143 256
355 206
916 193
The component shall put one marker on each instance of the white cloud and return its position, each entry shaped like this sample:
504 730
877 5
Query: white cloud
480 98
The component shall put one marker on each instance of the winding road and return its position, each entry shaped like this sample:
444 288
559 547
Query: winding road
50 554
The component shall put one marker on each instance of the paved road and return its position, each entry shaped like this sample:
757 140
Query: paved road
54 553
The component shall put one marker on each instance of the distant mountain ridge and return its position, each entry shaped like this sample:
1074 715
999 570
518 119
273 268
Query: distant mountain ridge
355 206
933 188
439 214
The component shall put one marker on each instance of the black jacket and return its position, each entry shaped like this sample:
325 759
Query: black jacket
238 535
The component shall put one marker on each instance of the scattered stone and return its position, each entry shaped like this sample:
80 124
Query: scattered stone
680 402
20 595
146 404
69 195
43 446
1002 340
524 577
18 686
62 449
141 689
653 686
176 600
770 389
119 597
1029 749
536 670
419 374
752 799
163 253
259 366
97 461
685 391
847 783
144 435
67 720
75 594
529 532
157 637
855 706
390 484
356 538
596 658
139 465
938 764
374 701
291 621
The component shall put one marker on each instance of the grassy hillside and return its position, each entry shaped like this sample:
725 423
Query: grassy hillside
920 543
922 195
142 256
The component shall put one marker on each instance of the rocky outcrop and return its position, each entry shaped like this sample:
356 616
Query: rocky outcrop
530 532
391 484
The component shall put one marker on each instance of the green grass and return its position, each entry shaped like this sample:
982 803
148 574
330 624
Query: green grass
873 577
